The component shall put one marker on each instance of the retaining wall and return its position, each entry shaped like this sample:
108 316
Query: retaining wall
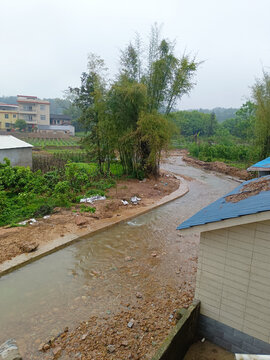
182 336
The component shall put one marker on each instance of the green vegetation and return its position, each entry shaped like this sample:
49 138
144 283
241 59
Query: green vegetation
232 141
126 117
25 193
38 142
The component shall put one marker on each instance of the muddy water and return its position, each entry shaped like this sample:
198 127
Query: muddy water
99 275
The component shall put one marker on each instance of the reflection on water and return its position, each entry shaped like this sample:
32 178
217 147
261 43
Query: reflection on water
95 275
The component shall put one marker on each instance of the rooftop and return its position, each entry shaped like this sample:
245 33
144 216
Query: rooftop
249 198
263 165
11 142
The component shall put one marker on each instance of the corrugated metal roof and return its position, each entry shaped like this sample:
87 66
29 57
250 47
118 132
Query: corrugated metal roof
222 209
11 142
261 165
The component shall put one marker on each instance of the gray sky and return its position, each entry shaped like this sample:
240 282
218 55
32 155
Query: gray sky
44 43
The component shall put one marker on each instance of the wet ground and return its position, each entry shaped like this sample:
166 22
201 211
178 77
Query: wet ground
100 275
207 351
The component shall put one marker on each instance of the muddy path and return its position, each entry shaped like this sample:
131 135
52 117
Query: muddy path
102 276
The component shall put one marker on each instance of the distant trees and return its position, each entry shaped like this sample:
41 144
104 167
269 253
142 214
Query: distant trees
126 117
242 125
261 96
193 123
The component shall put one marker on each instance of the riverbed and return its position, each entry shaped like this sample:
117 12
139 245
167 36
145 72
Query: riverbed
99 275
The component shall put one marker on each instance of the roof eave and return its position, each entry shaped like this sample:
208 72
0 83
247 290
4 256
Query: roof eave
240 220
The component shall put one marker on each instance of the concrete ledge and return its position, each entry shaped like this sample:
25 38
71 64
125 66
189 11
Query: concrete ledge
105 224
229 338
182 336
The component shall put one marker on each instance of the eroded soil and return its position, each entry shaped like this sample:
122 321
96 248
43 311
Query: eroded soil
17 240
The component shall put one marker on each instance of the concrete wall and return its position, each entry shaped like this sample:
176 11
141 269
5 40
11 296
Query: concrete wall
233 279
182 335
21 156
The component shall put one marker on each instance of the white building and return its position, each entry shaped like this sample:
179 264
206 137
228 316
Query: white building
17 151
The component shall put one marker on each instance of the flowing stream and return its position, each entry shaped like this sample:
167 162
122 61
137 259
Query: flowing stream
94 277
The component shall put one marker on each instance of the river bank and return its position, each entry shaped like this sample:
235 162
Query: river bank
20 245
217 166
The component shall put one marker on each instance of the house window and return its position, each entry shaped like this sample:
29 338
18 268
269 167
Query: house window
42 117
42 107
7 125
6 116
14 115
28 107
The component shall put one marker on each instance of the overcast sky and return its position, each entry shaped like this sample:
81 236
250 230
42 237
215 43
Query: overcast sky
44 43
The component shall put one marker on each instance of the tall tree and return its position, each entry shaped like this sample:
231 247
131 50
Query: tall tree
261 96
90 98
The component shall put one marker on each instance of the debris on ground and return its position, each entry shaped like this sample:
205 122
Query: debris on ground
124 202
251 189
135 200
29 221
92 199
9 350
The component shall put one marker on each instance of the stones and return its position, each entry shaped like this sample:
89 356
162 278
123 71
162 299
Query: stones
84 336
57 351
9 351
138 295
80 220
154 254
29 247
130 323
111 349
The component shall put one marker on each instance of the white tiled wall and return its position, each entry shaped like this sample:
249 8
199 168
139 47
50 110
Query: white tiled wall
233 279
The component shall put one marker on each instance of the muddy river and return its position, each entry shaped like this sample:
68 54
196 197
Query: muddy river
96 276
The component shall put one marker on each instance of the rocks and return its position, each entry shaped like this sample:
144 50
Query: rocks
9 351
29 247
130 323
154 254
80 220
57 351
128 258
138 295
111 349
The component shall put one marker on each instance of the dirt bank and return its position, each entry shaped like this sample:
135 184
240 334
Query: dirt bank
216 166
19 240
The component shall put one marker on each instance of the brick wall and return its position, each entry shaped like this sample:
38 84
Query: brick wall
233 279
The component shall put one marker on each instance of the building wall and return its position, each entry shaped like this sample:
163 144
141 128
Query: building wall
34 111
233 279
7 119
20 156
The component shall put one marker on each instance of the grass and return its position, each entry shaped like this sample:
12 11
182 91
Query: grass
53 142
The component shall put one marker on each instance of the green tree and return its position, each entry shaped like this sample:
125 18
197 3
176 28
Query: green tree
242 125
20 124
261 96
90 98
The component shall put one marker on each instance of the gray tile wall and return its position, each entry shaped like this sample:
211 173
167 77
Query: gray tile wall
229 338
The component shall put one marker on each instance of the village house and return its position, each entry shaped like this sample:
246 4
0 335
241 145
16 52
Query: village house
233 276
17 151
33 110
8 116
262 167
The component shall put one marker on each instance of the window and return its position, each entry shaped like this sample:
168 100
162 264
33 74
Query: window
14 116
7 125
28 107
42 117
6 116
42 107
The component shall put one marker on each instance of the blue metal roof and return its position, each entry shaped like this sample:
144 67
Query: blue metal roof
222 209
261 165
